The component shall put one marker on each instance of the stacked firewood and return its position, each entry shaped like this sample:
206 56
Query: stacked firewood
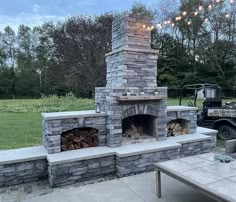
79 138
175 128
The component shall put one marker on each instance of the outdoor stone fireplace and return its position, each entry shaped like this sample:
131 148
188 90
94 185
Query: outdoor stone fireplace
131 88
99 143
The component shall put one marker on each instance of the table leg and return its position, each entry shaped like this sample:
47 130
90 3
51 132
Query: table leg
158 183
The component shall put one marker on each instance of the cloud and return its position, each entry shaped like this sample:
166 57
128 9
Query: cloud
36 8
27 19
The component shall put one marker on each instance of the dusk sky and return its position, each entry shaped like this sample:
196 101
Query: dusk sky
34 12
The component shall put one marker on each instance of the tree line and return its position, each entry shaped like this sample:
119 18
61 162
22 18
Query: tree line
69 56
55 58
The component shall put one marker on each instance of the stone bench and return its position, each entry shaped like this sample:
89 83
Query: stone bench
22 165
80 165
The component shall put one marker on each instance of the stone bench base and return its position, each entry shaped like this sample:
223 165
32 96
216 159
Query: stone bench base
30 164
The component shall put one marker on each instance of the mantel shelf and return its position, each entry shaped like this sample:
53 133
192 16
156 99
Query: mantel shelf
139 98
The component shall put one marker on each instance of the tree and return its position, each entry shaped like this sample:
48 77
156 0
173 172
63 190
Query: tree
81 44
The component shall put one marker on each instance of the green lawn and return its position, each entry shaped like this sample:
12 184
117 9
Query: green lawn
21 123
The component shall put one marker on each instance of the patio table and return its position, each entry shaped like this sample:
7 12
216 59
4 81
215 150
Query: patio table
215 179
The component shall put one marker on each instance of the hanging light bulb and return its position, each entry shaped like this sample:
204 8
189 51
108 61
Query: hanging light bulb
189 23
152 27
165 22
144 26
195 13
178 18
209 6
173 24
168 22
227 15
206 19
184 13
218 1
200 8
231 1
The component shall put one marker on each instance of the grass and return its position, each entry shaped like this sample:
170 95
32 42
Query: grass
21 122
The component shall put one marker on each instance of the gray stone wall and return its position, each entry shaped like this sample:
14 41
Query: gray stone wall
70 173
52 130
132 68
28 171
195 148
116 111
190 116
128 32
143 163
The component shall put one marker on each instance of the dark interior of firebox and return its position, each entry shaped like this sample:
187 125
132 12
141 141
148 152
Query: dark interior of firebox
138 126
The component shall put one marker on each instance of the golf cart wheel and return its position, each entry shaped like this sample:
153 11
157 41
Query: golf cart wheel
226 132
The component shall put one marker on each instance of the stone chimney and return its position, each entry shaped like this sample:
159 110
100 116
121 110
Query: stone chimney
132 67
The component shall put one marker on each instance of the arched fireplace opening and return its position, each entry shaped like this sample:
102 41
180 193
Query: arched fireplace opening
139 127
79 138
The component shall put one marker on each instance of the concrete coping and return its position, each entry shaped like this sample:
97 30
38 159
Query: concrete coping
37 153
78 155
125 150
206 131
75 114
142 148
181 108
21 155
189 138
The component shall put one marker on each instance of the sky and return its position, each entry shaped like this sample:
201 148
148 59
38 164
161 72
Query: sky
35 12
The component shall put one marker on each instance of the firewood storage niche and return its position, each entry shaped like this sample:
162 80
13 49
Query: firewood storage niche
79 138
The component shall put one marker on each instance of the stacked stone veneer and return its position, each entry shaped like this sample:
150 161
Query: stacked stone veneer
22 165
54 127
23 172
73 172
143 162
131 67
124 161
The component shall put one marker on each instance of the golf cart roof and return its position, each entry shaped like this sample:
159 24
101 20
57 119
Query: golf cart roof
200 86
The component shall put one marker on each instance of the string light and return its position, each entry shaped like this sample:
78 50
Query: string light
184 13
200 8
178 18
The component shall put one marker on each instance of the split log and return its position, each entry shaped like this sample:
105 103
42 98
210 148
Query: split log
79 138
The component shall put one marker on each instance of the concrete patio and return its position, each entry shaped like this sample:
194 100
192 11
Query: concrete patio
134 188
